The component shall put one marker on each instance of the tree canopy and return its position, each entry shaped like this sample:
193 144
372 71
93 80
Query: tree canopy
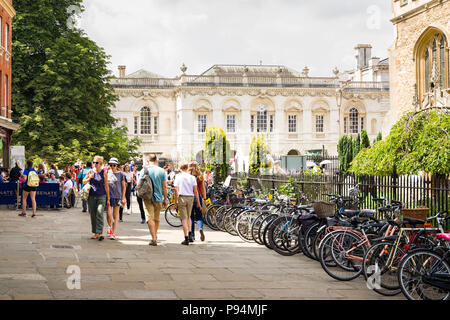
217 152
258 154
419 141
62 98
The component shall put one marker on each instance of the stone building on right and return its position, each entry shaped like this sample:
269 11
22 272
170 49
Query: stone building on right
419 57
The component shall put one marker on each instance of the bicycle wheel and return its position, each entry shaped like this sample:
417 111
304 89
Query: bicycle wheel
210 217
347 252
244 222
381 264
255 226
308 240
172 217
424 275
219 217
230 220
263 227
315 245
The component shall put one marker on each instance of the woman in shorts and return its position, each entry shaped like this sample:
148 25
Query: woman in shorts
27 190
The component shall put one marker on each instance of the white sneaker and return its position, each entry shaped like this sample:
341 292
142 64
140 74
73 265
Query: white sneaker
128 211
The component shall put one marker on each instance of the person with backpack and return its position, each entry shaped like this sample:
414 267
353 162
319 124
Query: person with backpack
98 196
30 185
80 178
153 179
185 192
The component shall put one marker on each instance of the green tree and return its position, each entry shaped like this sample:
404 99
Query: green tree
365 142
62 98
217 152
417 142
356 146
258 154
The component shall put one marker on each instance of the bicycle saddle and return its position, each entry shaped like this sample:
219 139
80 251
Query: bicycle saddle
412 221
443 236
350 213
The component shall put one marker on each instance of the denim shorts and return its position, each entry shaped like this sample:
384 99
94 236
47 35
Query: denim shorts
114 202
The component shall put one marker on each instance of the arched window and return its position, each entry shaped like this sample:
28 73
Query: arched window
146 121
432 58
354 120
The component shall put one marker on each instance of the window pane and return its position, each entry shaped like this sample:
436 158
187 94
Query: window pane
261 121
292 123
427 71
442 63
319 123
155 125
271 123
345 124
136 121
201 123
252 123
231 123
362 123
353 120
146 121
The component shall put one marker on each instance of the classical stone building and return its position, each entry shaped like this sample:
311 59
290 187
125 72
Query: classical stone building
297 113
419 57
7 127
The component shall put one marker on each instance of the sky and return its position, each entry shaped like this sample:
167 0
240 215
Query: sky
161 35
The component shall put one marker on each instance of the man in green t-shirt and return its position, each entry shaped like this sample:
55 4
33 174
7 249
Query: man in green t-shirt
153 209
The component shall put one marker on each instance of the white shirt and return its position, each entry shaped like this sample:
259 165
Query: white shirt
185 183
67 186
129 176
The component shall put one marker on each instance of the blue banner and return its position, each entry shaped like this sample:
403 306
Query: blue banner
47 194
8 193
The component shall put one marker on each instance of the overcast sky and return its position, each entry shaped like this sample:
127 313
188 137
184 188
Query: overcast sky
160 35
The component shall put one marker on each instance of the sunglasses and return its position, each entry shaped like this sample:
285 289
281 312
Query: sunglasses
113 165
95 162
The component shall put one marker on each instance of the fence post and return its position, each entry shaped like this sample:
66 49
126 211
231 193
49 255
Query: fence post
394 177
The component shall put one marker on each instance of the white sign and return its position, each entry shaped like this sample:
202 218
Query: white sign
17 154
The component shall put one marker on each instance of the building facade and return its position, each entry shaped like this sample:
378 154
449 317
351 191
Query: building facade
7 127
419 57
297 113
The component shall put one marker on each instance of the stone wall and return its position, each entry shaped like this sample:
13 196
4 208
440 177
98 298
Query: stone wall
402 64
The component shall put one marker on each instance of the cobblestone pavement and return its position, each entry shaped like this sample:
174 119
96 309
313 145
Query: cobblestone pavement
221 267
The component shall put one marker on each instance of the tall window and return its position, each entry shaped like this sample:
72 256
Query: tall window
353 120
146 121
231 123
155 124
261 121
6 95
319 123
292 123
201 123
6 36
345 124
136 122
271 123
252 123
432 60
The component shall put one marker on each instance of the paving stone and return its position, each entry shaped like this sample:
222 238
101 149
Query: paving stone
245 293
202 294
150 294
37 296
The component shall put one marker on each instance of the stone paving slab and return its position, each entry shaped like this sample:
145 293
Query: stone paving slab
222 267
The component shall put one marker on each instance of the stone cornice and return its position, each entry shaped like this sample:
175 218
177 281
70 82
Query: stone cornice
254 92
416 11
8 8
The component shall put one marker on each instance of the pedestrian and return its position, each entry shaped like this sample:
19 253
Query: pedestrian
185 191
117 187
68 185
98 196
80 178
129 181
153 207
52 178
15 172
196 214
135 176
31 173
41 169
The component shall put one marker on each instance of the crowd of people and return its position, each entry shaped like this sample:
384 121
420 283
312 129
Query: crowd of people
110 188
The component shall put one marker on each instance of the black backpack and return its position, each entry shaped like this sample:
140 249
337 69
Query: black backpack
145 189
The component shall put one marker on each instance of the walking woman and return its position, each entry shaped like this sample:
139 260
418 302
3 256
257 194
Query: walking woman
28 190
196 214
117 193
98 196
129 181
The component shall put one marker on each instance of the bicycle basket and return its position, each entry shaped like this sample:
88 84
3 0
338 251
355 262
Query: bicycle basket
323 209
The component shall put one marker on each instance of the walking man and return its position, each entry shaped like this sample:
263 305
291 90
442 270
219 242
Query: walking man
185 191
80 178
153 208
